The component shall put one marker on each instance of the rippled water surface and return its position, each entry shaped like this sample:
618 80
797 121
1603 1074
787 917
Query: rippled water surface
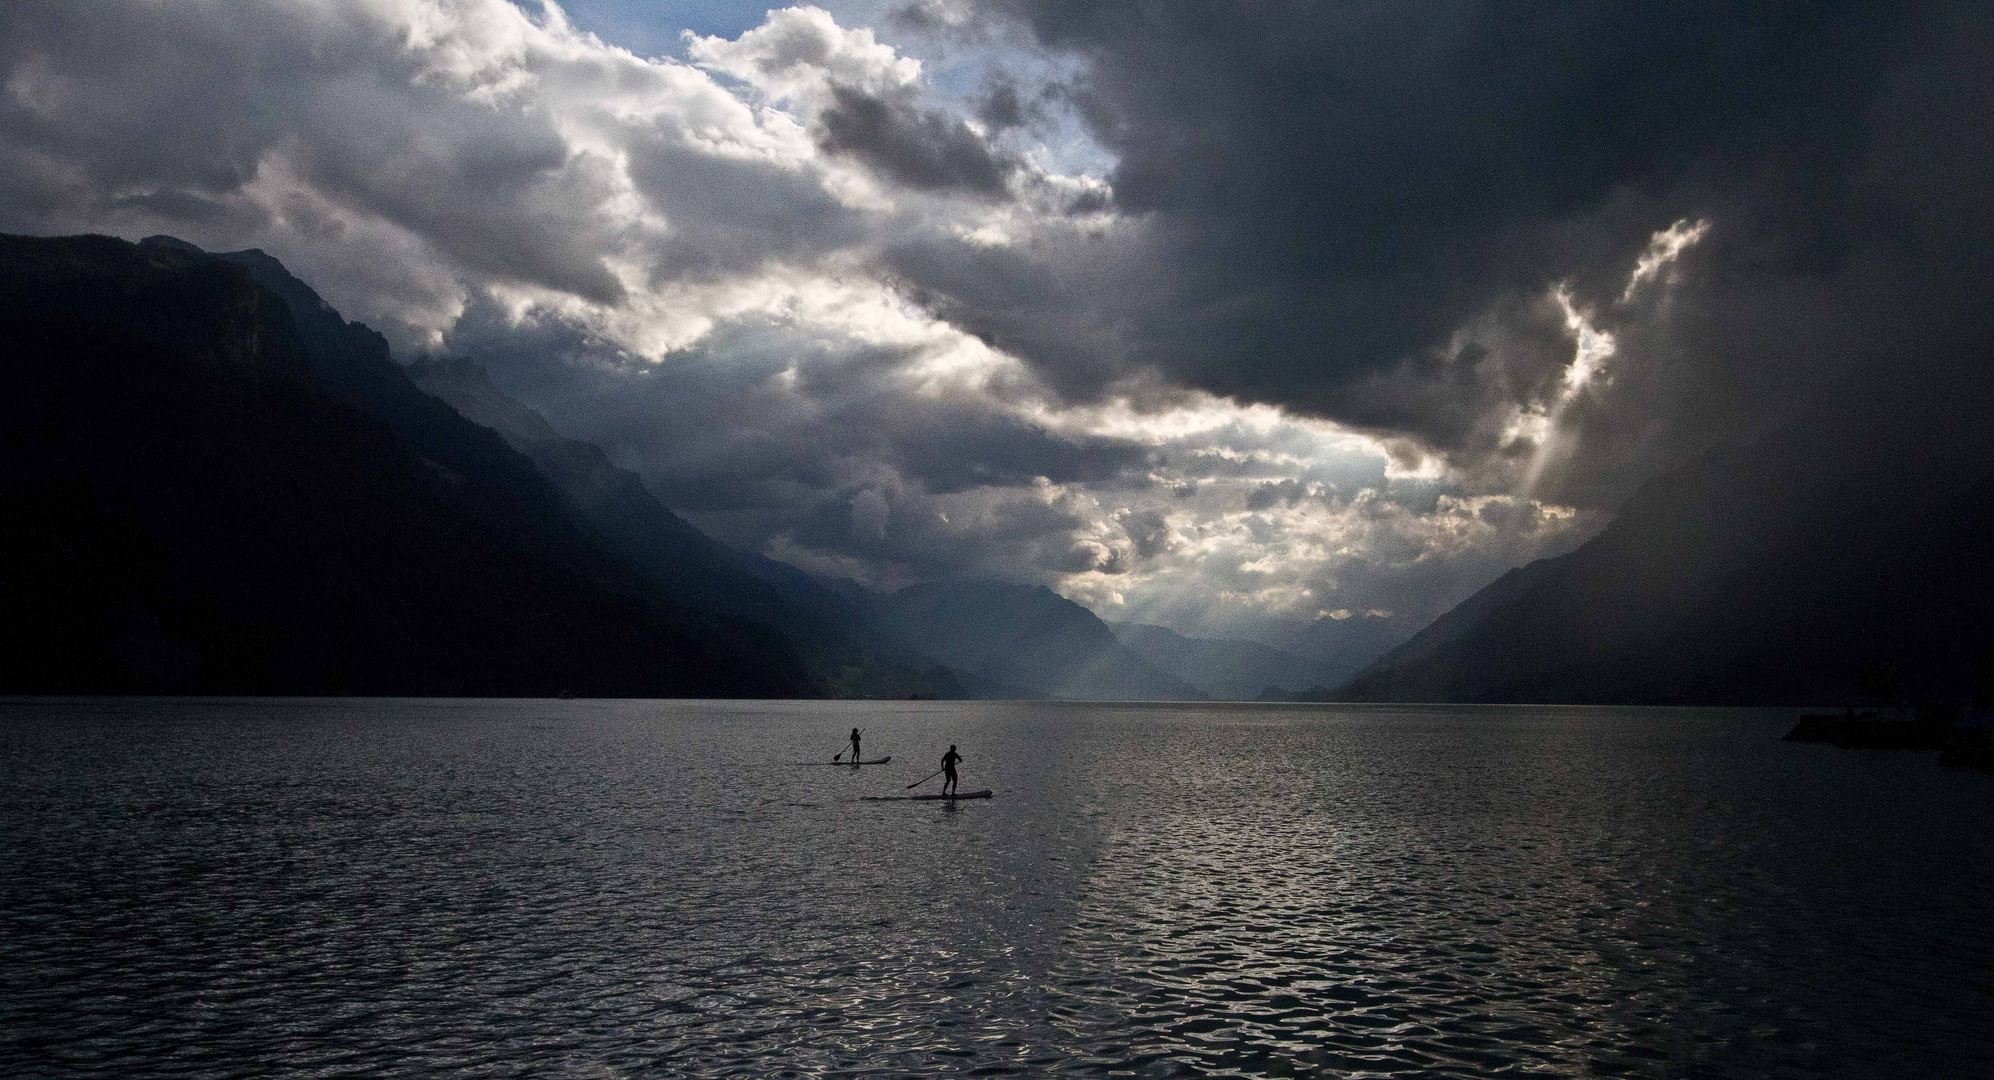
387 888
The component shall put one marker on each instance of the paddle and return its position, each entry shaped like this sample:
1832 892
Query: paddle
835 758
925 779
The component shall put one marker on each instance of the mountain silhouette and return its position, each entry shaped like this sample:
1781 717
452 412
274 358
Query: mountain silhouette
1335 649
1843 556
1024 636
216 485
1226 669
982 639
831 632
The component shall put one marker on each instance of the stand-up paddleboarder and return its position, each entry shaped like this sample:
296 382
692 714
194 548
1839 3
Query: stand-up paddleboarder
855 746
948 770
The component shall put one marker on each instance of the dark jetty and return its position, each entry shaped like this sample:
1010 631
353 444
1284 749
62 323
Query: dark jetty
1870 730
1970 743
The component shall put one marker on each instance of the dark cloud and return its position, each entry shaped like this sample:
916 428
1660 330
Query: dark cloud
1331 195
924 149
1000 108
1272 493
830 456
921 16
1148 530
763 433
1386 214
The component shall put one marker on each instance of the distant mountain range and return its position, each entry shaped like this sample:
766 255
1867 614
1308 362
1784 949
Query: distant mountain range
1225 669
834 635
1319 655
1026 637
1846 556
961 639
217 484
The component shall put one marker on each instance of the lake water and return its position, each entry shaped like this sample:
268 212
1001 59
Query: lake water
478 888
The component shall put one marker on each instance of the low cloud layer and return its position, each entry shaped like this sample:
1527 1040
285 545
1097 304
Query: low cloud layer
1360 306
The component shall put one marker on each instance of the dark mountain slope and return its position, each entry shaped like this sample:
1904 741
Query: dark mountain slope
191 511
1788 570
1456 623
522 499
502 488
1335 649
1224 668
199 309
831 632
1025 636
1916 622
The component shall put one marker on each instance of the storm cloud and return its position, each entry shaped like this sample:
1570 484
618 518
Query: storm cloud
1221 315
922 148
1364 211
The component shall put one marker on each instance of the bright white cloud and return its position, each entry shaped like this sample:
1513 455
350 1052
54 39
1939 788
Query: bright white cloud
466 174
800 52
1663 248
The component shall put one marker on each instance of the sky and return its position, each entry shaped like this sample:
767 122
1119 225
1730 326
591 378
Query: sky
1228 316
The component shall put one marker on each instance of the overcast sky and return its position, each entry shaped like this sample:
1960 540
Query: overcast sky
1218 315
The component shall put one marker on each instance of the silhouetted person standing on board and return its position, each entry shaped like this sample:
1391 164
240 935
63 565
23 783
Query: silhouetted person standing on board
948 770
855 746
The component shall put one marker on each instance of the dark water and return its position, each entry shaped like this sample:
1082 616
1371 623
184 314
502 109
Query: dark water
643 889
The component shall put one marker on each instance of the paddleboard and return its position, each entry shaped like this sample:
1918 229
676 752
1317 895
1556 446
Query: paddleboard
984 794
868 761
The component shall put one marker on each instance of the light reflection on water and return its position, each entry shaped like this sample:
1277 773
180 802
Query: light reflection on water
650 888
